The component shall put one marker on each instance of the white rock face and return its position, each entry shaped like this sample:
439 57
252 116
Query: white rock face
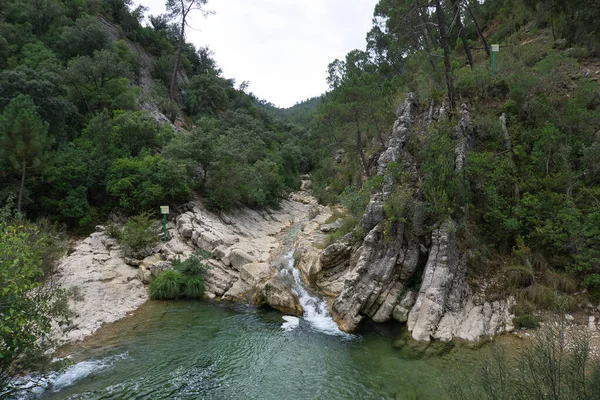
109 287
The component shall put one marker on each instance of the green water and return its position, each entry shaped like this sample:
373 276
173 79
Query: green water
192 350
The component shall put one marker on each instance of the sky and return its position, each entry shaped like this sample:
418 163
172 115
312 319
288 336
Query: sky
282 47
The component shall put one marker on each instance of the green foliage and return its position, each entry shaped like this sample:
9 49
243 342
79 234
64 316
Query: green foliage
526 321
100 82
143 184
27 306
166 286
85 37
139 232
185 280
355 201
193 265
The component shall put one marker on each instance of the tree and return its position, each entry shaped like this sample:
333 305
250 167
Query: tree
461 32
181 9
23 137
447 65
27 307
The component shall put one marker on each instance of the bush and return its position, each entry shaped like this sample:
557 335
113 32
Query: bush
557 363
193 266
186 279
166 286
138 233
193 287
526 321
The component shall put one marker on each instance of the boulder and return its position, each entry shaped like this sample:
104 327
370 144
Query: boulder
280 297
334 226
253 273
238 258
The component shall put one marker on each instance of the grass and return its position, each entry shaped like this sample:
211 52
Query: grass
166 286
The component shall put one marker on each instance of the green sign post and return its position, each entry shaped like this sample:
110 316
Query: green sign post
164 210
495 50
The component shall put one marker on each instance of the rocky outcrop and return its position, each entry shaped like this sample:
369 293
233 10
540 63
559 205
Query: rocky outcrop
377 272
241 243
277 295
442 287
107 288
373 286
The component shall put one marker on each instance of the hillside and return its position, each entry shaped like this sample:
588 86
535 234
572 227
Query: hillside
509 157
94 82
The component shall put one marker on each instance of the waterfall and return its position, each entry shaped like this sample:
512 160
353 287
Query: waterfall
316 312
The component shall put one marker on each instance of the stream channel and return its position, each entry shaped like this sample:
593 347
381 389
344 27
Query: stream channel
203 350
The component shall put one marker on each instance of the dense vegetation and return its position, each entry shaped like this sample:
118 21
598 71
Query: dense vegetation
27 306
528 196
82 91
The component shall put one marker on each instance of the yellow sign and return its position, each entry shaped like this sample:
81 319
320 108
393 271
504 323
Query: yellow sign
164 209
496 48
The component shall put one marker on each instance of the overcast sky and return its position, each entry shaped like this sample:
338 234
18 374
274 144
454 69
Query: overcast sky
282 47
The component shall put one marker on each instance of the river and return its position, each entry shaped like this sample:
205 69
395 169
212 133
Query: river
203 350
199 350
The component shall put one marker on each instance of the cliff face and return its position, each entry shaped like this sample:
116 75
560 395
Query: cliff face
375 283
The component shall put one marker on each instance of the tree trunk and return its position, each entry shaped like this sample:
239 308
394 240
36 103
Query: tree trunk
359 148
173 85
20 203
461 32
379 131
447 66
483 41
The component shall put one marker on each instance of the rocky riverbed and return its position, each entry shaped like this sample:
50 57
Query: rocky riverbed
245 246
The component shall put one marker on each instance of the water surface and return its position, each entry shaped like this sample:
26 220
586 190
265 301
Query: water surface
198 350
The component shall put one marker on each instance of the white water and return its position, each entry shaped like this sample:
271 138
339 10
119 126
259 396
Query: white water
315 308
57 381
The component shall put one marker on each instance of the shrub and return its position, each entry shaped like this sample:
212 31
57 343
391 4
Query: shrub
557 363
193 287
192 266
166 286
138 233
526 321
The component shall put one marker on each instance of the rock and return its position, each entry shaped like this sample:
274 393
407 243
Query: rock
144 274
238 258
237 292
569 317
100 228
254 272
440 278
335 254
132 261
220 252
334 226
305 185
108 286
373 213
592 323
278 296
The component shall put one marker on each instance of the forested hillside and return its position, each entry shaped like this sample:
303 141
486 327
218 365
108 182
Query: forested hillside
84 102
527 197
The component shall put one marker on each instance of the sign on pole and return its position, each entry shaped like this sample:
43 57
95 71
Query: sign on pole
164 210
495 51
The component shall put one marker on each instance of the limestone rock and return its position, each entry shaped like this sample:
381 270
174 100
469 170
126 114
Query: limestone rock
275 294
334 226
335 254
109 287
440 272
254 272
239 258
